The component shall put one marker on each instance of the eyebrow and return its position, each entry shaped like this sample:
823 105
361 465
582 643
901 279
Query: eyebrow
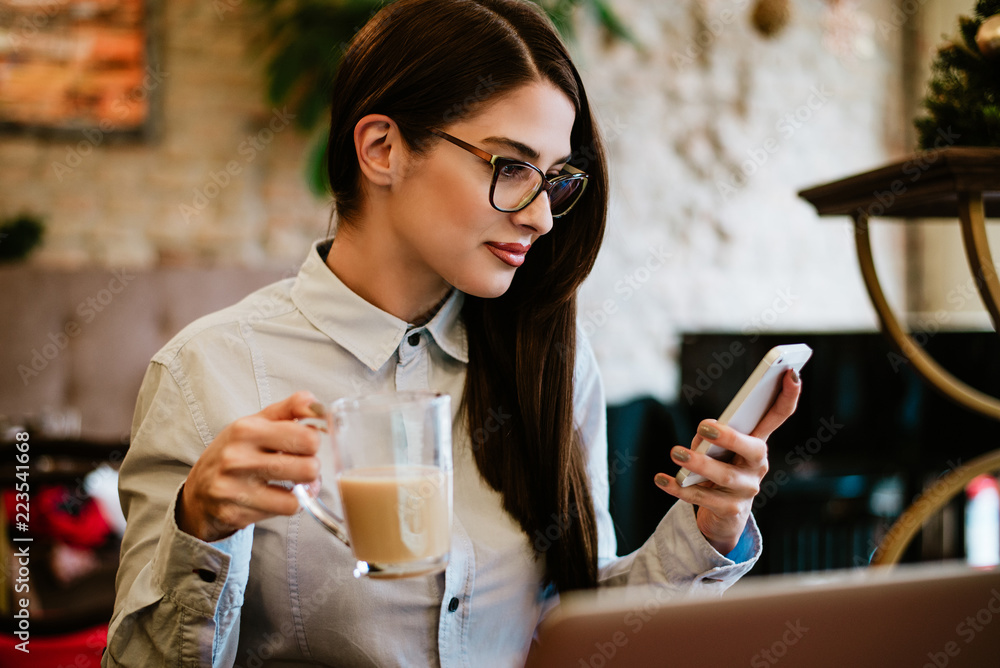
521 148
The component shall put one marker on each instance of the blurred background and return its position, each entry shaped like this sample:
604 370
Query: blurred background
158 161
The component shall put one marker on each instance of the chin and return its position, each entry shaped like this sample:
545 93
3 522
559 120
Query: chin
486 287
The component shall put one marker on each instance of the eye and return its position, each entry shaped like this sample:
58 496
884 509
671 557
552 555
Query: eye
515 172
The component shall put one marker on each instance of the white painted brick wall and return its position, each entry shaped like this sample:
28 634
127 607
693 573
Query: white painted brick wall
674 130
121 206
758 258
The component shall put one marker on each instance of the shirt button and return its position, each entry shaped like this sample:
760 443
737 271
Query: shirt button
414 339
206 575
453 604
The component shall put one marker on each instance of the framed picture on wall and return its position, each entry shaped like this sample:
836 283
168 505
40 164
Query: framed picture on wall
72 67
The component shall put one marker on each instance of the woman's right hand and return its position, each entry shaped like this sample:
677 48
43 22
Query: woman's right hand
227 488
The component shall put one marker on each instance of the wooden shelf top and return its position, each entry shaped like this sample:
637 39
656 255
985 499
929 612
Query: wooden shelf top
921 185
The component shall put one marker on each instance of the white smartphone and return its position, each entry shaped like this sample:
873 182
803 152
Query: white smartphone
753 400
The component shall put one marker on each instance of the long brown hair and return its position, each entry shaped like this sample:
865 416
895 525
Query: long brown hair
426 63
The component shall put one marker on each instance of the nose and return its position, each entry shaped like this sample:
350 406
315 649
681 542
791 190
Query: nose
537 216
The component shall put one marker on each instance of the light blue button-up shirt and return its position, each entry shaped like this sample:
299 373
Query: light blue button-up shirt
281 592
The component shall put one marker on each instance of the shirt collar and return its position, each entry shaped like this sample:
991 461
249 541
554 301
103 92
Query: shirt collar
447 328
366 331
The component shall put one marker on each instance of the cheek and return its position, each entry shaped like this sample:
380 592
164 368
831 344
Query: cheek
454 205
457 207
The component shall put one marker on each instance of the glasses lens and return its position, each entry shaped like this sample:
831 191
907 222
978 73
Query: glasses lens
516 184
564 194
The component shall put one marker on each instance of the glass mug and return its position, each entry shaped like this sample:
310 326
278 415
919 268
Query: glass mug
389 457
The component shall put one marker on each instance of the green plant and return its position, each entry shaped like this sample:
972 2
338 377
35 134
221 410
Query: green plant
19 236
964 92
302 42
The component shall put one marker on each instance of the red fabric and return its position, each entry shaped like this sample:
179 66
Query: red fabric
81 649
68 518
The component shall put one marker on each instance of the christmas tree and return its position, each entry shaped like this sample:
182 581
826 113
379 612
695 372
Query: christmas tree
963 97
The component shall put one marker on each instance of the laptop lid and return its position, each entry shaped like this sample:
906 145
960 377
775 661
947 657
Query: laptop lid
925 616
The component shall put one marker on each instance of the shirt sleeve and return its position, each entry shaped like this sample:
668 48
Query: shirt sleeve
677 555
178 598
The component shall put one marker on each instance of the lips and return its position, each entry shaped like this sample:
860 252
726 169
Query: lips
512 254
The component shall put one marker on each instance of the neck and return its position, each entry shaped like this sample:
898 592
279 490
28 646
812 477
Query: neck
383 272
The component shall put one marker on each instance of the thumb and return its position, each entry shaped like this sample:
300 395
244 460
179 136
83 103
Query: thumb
299 405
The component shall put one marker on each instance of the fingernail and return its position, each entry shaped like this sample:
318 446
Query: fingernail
661 480
708 431
680 454
795 377
318 409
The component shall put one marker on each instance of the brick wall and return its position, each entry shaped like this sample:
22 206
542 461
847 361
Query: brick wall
174 201
712 129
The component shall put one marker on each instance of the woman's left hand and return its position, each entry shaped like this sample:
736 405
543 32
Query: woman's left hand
724 502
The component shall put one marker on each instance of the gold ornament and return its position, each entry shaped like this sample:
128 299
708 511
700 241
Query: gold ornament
988 36
771 16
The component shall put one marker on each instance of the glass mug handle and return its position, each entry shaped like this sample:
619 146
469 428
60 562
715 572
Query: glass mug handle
312 504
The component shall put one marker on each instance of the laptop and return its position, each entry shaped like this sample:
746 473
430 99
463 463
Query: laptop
923 616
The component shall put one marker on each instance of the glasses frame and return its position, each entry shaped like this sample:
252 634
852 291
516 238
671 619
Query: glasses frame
498 162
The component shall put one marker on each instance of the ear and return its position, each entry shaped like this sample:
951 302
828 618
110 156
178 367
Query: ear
379 148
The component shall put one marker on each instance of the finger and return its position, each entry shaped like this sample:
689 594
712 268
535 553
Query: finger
697 495
283 466
721 516
724 475
282 436
262 501
750 448
298 405
253 504
783 407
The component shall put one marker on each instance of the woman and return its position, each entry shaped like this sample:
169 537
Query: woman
454 267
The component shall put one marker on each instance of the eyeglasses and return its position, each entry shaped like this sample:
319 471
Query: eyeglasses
516 184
